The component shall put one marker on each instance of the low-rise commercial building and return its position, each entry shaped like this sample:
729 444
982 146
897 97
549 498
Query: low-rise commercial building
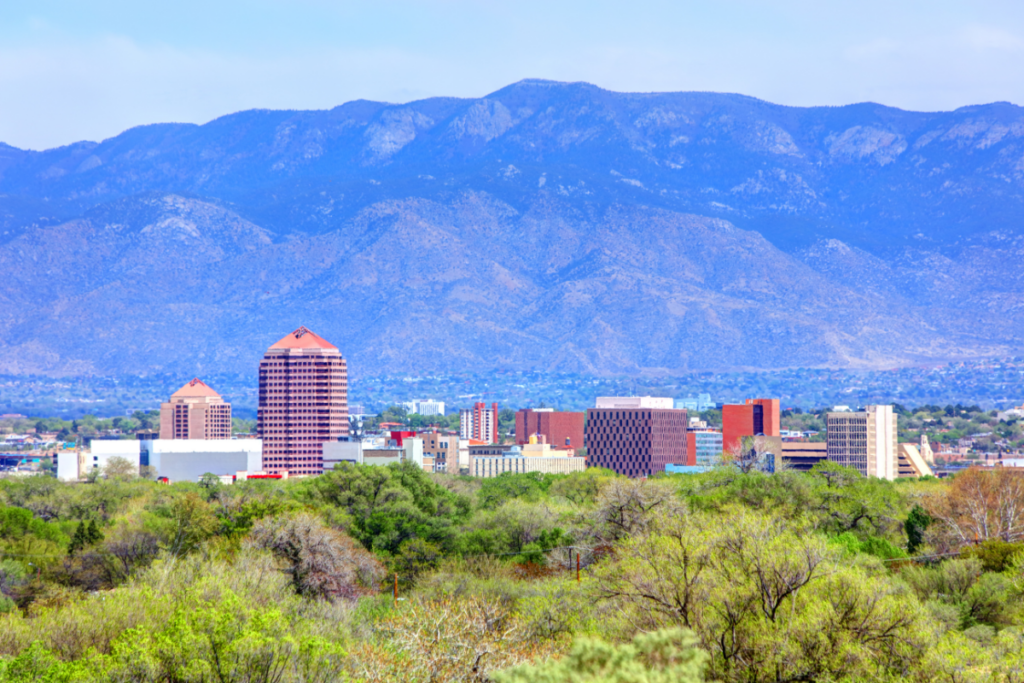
535 456
362 453
800 456
76 465
189 459
171 459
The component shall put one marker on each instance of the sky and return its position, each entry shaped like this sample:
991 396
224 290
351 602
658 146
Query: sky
73 70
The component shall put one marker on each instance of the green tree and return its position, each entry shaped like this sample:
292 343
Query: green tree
915 526
664 656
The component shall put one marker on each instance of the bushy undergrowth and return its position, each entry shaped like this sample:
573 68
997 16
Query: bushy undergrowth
726 576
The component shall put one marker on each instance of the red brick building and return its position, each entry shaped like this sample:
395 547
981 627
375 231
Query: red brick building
636 442
563 430
303 402
755 416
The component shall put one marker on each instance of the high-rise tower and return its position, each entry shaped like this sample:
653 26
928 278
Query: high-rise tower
303 402
195 412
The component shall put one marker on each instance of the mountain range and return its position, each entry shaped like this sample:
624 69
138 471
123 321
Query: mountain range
545 226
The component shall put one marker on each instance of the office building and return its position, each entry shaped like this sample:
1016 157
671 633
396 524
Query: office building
560 429
424 407
195 412
865 441
636 440
754 417
303 402
479 423
703 447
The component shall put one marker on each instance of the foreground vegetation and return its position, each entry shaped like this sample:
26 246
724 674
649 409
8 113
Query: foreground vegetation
721 576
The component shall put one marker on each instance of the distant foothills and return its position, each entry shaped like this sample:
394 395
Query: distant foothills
549 228
996 384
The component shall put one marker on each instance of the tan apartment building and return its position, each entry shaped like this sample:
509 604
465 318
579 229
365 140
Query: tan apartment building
303 402
443 448
865 441
195 412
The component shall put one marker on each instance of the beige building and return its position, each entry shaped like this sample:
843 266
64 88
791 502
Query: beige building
443 448
195 412
865 441
800 456
912 462
536 456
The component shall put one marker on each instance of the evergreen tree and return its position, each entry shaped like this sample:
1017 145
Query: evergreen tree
92 533
917 521
79 540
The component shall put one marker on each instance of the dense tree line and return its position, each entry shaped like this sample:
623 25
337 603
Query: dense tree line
725 576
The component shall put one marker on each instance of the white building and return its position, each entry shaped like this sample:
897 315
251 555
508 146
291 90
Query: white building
360 453
421 406
173 459
190 459
72 466
633 402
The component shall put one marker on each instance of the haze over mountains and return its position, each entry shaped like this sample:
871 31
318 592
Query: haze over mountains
547 225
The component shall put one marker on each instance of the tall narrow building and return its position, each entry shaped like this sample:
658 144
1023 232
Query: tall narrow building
303 402
479 423
195 412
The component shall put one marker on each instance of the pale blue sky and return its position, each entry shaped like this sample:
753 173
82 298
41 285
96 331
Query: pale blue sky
73 70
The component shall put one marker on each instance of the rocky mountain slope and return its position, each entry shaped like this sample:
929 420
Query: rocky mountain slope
547 225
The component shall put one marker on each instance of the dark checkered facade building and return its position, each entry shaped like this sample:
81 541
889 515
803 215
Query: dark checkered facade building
635 442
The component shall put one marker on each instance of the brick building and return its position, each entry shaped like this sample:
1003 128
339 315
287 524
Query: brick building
195 412
303 402
756 416
635 442
560 429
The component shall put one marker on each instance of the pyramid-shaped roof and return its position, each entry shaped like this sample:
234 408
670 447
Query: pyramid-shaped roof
195 389
302 338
